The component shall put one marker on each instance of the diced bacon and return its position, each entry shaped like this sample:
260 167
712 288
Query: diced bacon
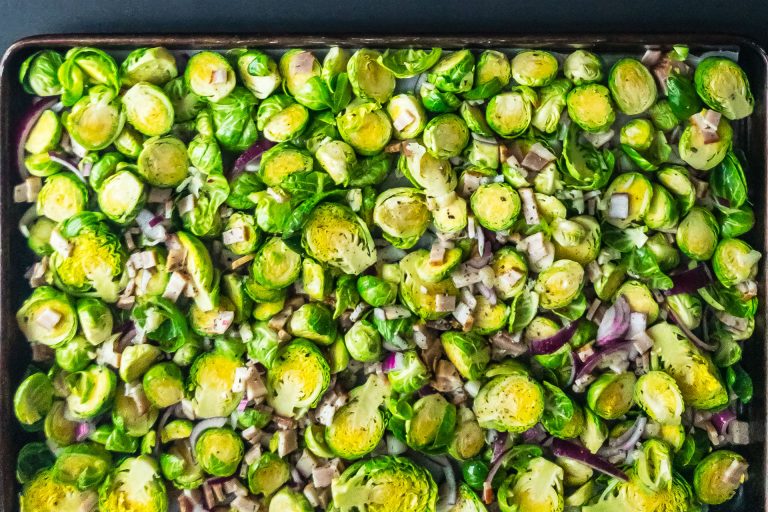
530 208
253 454
185 204
222 321
48 318
537 248
241 375
594 272
642 343
245 504
537 158
447 378
158 195
394 147
306 464
233 486
437 253
323 476
255 388
463 314
287 442
470 183
126 302
465 275
310 492
175 287
651 57
395 312
235 235
593 309
508 279
445 303
708 129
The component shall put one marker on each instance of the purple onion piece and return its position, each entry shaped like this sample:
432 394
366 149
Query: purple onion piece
722 419
689 333
629 438
66 161
250 154
498 447
535 434
393 361
554 342
481 260
689 281
615 322
157 219
595 359
561 448
25 127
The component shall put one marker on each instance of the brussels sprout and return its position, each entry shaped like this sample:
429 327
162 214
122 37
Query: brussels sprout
629 197
583 67
451 215
496 206
586 167
90 391
610 396
718 476
552 101
83 465
509 114
363 342
677 181
538 487
492 74
724 87
282 161
639 298
39 236
467 501
509 403
697 234
128 416
591 108
298 378
233 119
534 68
33 458
210 383
33 399
632 86
365 127
388 484
281 118
57 427
44 493
408 116
686 308
74 355
409 373
154 65
276 265
358 426
454 72
301 74
258 73
575 473
376 291
45 134
728 184
338 159
369 78
241 236
86 64
559 284
468 352
658 395
693 371
432 425
209 76
95 120
562 417
662 213
435 175
134 484
734 262
121 197
438 101
595 431
638 134
219 451
408 62
48 317
510 270
178 464
421 296
148 109
577 239
163 384
313 321
402 215
445 136
39 73
700 154
62 196
662 116
163 162
268 474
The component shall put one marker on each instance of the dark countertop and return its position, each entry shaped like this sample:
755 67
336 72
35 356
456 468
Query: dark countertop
19 18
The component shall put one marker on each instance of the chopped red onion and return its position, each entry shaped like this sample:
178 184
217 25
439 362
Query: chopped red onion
65 161
615 322
82 431
709 347
595 359
554 342
392 362
250 155
569 450
535 434
722 419
156 232
691 280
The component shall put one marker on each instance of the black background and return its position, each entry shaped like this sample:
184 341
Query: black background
19 18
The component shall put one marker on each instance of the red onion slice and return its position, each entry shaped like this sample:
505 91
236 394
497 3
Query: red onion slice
691 336
66 161
561 448
250 155
592 361
554 342
690 280
393 361
498 446
27 123
615 322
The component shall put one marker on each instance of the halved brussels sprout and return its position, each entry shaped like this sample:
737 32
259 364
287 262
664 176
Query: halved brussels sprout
408 62
697 234
534 68
492 74
96 120
562 417
595 431
90 391
163 162
62 196
583 67
675 178
662 115
409 375
377 291
281 161
358 426
470 353
301 75
734 262
121 197
580 244
468 438
510 271
509 114
209 76
314 322
693 371
83 465
658 395
276 265
210 382
723 86
74 355
687 309
281 118
435 175
267 474
178 464
363 342
511 402
559 284
638 134
421 297
154 65
402 215
438 101
241 236
258 73
454 72
432 424
45 134
385 484
211 322
57 427
297 379
552 101
338 159
538 487
590 107
700 154
40 236
163 384
335 236
365 126
127 416
489 317
450 215
45 493
662 214
639 298
134 484
629 197
718 476
408 116
38 74
496 206
148 109
219 451
368 77
610 396
48 317
632 86
33 399
445 136
430 271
